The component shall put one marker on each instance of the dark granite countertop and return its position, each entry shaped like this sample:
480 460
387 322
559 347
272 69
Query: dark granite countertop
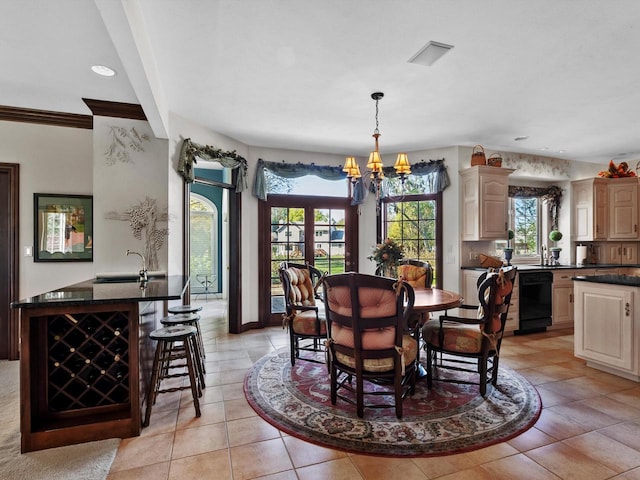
557 267
97 292
627 280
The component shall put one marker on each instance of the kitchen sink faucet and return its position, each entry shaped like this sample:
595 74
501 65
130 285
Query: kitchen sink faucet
143 271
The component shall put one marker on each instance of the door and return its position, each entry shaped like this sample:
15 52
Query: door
9 228
217 188
321 231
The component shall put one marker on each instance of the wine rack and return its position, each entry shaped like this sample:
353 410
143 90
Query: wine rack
87 360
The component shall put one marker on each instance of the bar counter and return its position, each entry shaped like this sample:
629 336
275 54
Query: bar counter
85 359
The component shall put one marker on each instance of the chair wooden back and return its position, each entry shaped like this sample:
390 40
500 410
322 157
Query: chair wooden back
366 314
417 273
494 297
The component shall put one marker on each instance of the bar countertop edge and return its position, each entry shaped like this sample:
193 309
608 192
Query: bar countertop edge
90 292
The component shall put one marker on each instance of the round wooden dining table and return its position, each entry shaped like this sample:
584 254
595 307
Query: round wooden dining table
432 300
435 299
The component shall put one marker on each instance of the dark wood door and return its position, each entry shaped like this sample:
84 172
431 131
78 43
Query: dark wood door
322 231
9 276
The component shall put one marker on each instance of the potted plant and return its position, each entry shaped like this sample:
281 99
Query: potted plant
555 236
508 251
387 255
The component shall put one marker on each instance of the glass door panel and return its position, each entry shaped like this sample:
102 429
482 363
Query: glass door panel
329 239
314 230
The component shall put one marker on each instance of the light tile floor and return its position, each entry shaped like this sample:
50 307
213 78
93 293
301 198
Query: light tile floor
589 427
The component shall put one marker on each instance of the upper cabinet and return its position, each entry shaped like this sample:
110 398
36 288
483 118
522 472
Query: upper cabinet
485 203
590 209
605 209
623 209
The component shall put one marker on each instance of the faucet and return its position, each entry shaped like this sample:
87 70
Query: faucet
143 271
543 255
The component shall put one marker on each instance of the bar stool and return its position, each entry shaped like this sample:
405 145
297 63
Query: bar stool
184 309
163 362
192 319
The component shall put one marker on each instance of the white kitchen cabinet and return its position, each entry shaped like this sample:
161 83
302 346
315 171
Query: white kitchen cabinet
623 209
562 298
589 209
485 202
606 327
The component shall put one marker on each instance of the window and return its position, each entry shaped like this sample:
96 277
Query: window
525 220
414 221
203 239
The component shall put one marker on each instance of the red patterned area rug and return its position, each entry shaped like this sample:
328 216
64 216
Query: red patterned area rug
449 418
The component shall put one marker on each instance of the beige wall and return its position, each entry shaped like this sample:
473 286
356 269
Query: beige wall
52 160
67 160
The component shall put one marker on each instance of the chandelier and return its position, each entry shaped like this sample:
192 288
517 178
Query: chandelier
374 165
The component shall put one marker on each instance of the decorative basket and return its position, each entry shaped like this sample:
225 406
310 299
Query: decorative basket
486 261
477 156
494 160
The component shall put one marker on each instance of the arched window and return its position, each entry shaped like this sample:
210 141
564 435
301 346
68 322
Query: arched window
204 251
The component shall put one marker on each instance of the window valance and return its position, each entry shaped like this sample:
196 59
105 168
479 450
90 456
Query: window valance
438 181
550 195
435 169
190 151
292 170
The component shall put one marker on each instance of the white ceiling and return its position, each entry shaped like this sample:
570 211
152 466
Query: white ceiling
298 74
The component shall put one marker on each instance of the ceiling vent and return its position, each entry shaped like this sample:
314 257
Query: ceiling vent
430 53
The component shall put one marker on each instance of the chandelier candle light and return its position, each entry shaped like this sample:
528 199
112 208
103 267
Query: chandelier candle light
374 165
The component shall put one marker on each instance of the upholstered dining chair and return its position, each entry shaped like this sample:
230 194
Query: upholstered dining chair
418 274
304 319
366 318
468 344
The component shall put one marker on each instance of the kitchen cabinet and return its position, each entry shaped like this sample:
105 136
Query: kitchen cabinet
621 253
562 299
589 209
485 202
606 327
623 209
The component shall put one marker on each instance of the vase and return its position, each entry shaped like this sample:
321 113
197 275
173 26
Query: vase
508 254
389 271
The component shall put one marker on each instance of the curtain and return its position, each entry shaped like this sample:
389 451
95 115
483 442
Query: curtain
292 170
190 151
435 170
438 181
550 195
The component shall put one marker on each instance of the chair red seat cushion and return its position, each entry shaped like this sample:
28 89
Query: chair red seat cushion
304 323
374 341
457 337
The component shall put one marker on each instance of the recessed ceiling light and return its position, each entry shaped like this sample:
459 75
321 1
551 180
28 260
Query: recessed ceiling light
544 149
103 70
561 151
522 137
430 53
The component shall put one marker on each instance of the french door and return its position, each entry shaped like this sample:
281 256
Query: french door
321 231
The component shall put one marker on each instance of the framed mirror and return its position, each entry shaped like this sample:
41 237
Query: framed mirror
63 227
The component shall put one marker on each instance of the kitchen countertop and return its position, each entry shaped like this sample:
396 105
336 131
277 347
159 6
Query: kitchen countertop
91 292
627 280
555 267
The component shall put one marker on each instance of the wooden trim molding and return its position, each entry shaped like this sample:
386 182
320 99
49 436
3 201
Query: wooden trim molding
11 271
115 109
46 117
